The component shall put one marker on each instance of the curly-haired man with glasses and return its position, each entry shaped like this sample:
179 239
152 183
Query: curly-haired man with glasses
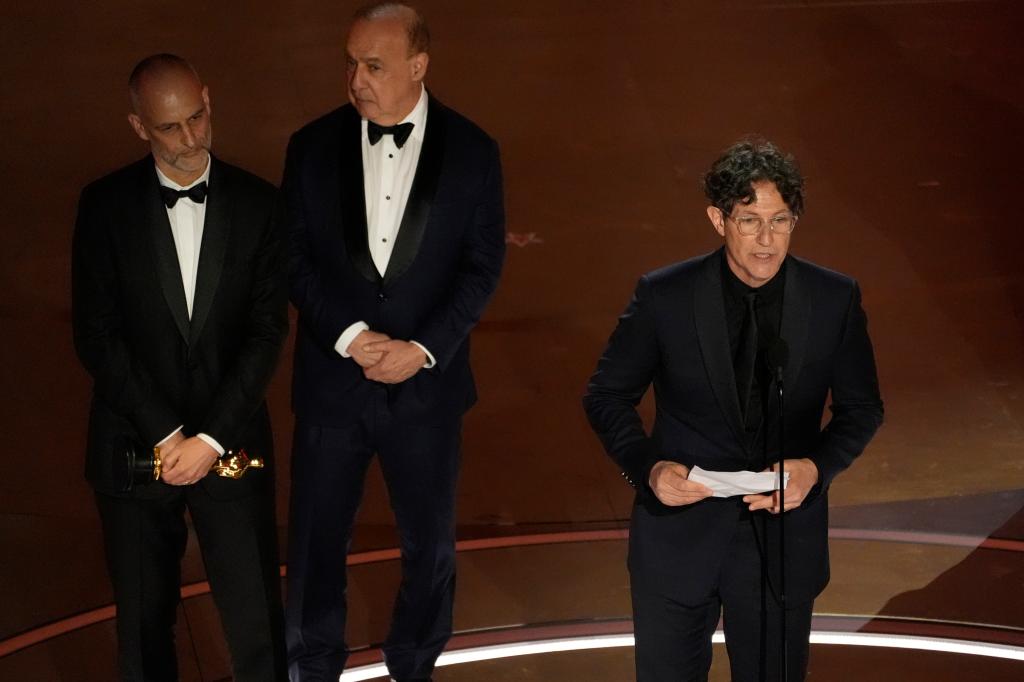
715 335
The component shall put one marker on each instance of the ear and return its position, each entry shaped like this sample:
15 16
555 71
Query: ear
136 123
418 65
717 219
206 99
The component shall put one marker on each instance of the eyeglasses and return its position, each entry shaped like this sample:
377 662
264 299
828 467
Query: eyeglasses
749 225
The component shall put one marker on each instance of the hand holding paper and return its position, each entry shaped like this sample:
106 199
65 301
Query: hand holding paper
730 483
802 476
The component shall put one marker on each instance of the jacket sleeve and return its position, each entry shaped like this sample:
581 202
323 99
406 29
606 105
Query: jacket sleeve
119 379
324 311
243 388
624 373
445 329
856 403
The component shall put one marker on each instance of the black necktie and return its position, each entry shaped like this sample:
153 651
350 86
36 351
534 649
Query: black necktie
196 193
746 357
401 132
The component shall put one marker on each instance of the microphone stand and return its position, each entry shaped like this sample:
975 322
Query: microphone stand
783 657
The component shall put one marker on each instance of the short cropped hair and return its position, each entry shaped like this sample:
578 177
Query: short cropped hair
732 177
152 65
415 24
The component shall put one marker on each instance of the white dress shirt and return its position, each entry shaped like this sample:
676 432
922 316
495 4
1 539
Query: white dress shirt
187 219
388 173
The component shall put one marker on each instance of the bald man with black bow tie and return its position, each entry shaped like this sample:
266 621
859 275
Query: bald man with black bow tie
180 312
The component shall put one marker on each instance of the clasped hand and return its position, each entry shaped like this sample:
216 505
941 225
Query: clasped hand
185 460
386 360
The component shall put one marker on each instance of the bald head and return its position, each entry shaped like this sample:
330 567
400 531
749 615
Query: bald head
171 110
158 70
415 25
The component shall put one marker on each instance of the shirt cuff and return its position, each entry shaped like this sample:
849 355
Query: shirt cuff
170 435
348 336
430 358
212 442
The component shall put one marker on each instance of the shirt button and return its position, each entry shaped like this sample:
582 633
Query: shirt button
385 240
391 156
388 197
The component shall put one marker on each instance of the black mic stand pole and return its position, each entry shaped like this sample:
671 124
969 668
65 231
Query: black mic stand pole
783 657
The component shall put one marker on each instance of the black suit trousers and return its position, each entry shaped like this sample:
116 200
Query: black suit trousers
145 536
420 461
673 639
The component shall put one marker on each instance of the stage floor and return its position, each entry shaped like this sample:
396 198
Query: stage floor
907 120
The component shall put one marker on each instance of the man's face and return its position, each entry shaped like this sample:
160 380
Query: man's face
383 79
755 258
173 115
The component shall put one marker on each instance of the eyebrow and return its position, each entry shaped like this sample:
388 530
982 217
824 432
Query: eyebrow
171 124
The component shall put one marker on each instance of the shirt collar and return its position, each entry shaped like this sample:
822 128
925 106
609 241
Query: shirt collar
167 182
418 117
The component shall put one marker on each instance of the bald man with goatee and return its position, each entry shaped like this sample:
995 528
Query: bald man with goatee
179 312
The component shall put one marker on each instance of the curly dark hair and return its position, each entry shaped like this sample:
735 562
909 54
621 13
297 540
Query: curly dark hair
732 177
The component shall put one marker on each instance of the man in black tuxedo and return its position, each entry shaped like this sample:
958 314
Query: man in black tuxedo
700 331
397 240
179 302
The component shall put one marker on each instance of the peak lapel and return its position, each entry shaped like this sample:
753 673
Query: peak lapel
216 228
713 334
164 253
352 195
421 195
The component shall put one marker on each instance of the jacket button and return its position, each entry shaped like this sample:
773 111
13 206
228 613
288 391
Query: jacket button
382 297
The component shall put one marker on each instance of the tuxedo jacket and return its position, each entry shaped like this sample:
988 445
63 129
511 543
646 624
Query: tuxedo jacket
674 335
442 272
153 368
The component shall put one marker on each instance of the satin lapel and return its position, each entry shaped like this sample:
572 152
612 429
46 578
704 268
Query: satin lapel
353 195
713 334
796 313
151 207
421 196
216 229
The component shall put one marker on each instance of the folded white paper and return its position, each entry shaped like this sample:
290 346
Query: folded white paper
729 483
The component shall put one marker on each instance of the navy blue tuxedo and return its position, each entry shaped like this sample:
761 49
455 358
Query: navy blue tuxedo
441 274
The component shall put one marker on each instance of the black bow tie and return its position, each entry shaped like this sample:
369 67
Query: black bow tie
402 131
196 193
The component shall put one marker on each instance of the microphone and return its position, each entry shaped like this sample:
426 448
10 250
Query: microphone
776 356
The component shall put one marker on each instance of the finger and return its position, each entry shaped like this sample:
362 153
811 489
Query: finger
378 346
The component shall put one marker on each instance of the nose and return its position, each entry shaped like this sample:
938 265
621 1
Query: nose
765 235
189 136
355 77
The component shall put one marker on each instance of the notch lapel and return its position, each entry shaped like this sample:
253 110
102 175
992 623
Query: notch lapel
352 195
713 335
216 229
421 195
164 254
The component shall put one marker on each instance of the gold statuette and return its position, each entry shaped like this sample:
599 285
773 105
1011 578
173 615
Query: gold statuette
234 465
158 464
